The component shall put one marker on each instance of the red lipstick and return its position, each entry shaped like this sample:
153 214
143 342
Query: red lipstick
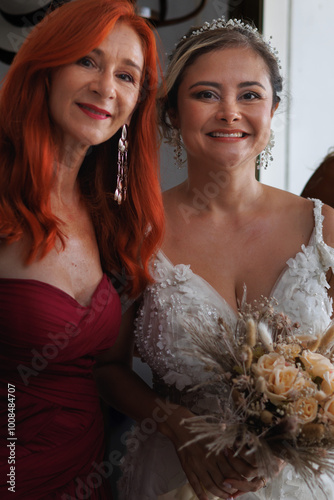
93 111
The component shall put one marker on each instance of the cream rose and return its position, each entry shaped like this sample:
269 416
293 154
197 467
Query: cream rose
282 382
316 364
267 363
329 409
306 409
327 384
303 382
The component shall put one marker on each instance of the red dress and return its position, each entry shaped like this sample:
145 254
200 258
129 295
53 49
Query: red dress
51 423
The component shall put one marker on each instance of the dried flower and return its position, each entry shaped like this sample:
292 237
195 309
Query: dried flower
327 339
265 336
246 355
267 417
313 433
250 332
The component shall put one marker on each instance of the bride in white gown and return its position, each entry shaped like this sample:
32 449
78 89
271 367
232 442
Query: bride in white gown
178 293
224 230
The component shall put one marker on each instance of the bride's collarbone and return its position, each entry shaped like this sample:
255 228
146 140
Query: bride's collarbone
258 245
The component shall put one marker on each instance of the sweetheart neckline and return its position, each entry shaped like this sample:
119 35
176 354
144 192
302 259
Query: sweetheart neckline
59 290
220 297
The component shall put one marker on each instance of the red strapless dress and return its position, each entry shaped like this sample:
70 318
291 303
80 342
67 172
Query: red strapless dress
47 346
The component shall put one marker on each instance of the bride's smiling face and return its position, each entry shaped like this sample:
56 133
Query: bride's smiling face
225 107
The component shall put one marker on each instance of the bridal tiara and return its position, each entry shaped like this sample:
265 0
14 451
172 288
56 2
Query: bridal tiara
221 23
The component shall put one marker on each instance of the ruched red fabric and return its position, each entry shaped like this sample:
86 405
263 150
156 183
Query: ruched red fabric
48 343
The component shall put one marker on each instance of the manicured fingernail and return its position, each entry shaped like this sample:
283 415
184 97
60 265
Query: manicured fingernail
227 485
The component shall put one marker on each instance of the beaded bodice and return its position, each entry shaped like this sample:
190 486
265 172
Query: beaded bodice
178 293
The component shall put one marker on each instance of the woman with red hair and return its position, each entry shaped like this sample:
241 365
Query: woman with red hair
80 217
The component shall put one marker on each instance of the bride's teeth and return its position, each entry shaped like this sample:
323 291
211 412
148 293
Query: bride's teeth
220 134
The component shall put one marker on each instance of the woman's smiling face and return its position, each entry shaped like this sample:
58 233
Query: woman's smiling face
92 98
225 107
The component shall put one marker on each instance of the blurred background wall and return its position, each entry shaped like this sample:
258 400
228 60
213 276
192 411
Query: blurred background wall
302 31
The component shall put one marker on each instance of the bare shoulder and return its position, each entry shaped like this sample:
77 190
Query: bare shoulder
291 214
288 201
301 210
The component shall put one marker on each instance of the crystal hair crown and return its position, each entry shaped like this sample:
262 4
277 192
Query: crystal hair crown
221 23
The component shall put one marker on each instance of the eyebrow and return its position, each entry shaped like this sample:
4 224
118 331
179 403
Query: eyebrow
219 86
251 84
128 62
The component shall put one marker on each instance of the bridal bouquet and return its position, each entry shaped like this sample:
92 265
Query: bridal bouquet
275 389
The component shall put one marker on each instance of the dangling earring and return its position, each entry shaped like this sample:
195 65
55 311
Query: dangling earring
177 143
122 167
266 156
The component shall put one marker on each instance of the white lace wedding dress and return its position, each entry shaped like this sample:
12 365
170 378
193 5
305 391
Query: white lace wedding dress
151 467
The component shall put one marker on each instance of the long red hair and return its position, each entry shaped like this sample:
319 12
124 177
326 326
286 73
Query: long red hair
128 235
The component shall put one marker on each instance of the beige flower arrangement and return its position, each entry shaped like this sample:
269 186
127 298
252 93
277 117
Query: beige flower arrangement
275 388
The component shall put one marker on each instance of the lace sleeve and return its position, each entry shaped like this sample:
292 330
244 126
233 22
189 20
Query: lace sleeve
160 337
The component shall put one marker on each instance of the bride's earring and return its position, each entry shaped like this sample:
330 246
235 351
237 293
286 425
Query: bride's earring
122 167
178 150
266 156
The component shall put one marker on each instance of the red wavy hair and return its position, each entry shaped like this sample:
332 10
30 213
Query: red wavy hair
128 235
